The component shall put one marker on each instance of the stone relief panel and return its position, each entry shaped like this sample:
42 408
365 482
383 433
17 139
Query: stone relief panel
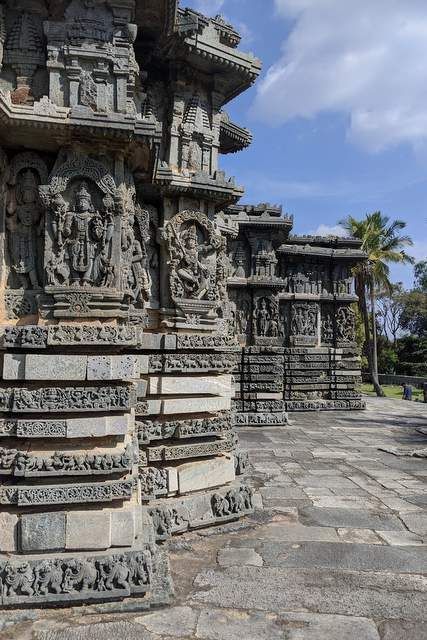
346 325
265 319
91 60
197 273
25 221
264 260
342 283
328 324
305 324
24 51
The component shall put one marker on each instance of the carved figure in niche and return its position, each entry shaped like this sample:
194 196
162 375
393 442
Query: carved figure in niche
192 270
304 320
25 226
243 318
265 318
265 259
135 271
327 328
346 324
87 237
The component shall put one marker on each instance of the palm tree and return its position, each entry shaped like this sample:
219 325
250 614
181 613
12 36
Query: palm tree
382 242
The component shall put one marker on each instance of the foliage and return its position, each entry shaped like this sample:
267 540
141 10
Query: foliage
412 356
390 311
414 314
420 270
383 243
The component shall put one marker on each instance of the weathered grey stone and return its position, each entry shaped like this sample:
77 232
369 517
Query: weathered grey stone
230 557
43 532
99 631
416 522
402 630
14 366
9 526
113 368
195 476
350 518
123 528
174 385
179 622
349 593
88 530
230 624
351 557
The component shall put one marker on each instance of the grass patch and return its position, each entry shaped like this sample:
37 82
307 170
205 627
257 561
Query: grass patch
392 391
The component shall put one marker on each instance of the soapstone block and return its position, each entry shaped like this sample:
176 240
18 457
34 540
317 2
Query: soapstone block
177 385
88 530
14 366
43 532
55 367
113 368
122 528
195 476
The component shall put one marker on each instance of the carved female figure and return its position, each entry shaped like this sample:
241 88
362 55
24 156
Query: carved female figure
194 274
24 225
263 318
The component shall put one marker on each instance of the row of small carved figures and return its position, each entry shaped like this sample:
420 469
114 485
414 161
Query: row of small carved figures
20 463
62 576
237 501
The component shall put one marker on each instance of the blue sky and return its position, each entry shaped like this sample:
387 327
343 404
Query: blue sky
339 115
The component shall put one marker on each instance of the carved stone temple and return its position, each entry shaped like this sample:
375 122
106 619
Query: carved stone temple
143 312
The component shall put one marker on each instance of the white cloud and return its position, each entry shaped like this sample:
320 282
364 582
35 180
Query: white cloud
364 58
334 230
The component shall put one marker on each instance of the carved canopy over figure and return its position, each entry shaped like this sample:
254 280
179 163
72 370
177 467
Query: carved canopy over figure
24 226
194 272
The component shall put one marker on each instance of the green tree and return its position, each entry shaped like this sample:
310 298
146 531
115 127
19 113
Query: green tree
420 271
383 243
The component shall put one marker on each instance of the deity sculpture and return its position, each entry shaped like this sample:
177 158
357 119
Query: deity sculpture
87 237
24 226
193 270
263 319
304 320
135 269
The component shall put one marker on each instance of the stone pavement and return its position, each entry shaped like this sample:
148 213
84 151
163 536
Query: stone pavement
336 550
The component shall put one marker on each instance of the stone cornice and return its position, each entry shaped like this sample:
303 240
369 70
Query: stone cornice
233 138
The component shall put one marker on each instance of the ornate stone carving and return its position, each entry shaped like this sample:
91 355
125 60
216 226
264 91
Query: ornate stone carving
20 463
154 482
305 319
77 578
24 52
235 502
56 399
24 220
266 318
346 324
195 247
67 494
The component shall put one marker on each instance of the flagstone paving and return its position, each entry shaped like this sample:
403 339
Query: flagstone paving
336 549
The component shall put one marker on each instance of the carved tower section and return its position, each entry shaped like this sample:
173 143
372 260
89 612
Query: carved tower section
117 358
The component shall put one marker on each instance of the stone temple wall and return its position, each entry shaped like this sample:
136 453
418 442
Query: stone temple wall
116 371
293 312
127 288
